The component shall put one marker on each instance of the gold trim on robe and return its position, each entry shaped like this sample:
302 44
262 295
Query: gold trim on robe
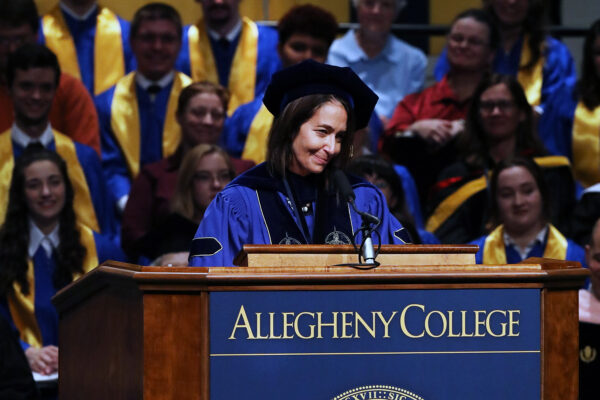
586 145
494 251
255 148
125 120
242 76
109 62
450 204
531 79
82 201
22 307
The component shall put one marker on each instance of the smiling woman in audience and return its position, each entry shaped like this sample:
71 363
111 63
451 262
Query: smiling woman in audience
421 133
42 249
499 124
204 172
521 214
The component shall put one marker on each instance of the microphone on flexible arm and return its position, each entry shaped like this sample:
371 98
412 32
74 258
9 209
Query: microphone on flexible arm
344 188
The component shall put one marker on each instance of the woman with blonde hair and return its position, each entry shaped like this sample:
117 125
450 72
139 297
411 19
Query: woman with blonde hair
205 171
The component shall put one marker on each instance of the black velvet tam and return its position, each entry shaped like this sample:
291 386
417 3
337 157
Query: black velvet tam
311 77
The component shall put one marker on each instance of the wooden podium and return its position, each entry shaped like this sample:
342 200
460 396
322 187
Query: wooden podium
134 332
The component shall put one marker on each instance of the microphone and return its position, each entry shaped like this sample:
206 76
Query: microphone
345 190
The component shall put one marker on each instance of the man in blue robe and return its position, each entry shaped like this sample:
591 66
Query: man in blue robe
137 115
228 49
91 42
305 32
32 76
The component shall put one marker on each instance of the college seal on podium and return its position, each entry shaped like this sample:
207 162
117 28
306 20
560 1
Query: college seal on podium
378 392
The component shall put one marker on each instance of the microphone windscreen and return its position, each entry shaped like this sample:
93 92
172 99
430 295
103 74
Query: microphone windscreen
343 185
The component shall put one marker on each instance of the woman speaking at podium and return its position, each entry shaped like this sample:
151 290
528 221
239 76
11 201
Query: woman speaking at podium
289 198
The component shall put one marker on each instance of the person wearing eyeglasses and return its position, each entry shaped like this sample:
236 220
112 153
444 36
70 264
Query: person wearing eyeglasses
542 65
137 115
499 124
205 171
421 131
201 111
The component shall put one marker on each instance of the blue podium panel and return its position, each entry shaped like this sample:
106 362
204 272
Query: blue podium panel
378 344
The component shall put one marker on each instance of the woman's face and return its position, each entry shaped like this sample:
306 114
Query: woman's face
468 45
519 200
511 12
211 176
319 139
202 120
596 55
44 192
500 116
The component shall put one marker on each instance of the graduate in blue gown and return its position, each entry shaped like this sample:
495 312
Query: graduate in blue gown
42 249
287 199
521 214
137 114
95 35
32 76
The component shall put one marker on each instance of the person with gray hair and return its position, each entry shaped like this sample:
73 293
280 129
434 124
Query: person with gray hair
389 66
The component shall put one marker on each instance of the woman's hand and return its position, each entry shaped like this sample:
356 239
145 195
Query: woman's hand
43 361
438 131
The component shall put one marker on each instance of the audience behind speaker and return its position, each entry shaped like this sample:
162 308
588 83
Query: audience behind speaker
577 116
499 124
201 110
137 115
421 133
383 176
43 248
32 78
541 64
91 42
391 67
72 112
205 171
305 32
520 218
234 51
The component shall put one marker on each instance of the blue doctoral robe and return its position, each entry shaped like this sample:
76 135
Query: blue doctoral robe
84 33
43 266
237 217
574 251
152 116
101 198
267 61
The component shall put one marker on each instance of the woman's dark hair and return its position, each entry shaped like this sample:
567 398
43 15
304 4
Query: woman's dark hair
286 127
589 84
538 176
484 18
14 234
310 20
375 165
533 26
31 55
474 144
